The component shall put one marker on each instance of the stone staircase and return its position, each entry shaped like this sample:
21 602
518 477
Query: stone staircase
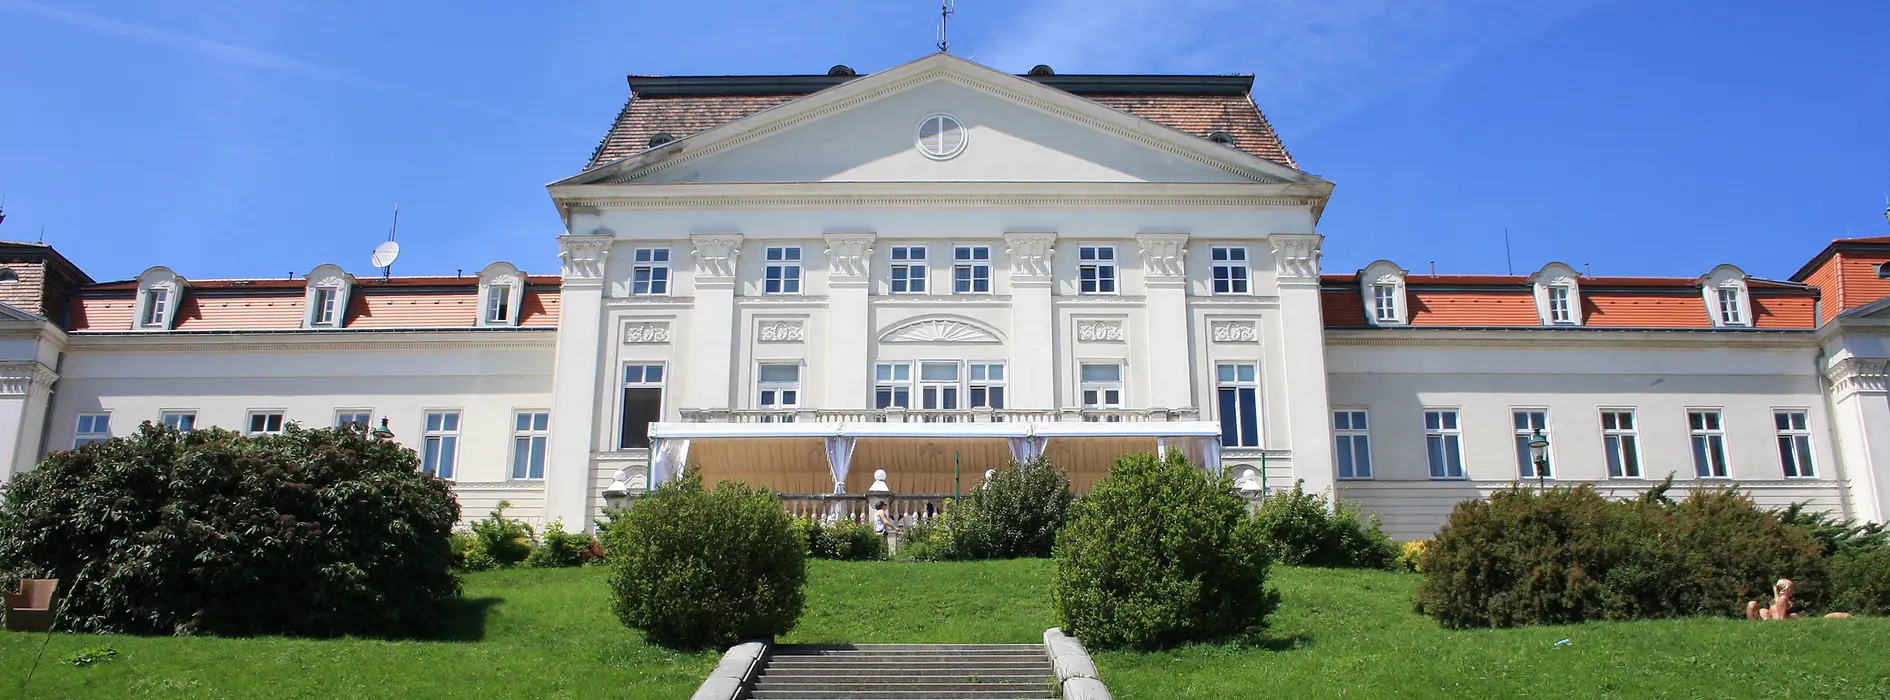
906 671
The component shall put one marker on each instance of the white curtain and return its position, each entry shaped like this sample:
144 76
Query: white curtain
668 458
1211 454
1024 449
840 460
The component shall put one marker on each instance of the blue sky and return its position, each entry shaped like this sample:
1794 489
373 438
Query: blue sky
1653 137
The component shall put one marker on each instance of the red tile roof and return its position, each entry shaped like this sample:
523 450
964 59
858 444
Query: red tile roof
1506 301
279 304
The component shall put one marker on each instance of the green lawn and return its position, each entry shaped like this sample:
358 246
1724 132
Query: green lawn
1338 633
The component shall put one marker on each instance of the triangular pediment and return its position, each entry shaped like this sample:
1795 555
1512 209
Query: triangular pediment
1013 130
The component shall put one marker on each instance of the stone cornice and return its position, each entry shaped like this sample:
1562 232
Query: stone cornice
649 302
1562 337
1602 484
315 341
997 198
941 301
520 485
781 300
1099 300
1225 301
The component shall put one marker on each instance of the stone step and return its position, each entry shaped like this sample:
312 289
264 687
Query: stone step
904 655
825 676
905 674
1041 693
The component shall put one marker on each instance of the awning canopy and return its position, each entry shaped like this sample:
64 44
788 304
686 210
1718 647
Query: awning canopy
1153 429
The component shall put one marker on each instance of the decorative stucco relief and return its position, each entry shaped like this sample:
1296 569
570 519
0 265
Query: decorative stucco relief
1234 332
939 331
643 332
782 332
1098 330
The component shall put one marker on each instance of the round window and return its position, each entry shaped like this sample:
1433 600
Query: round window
941 137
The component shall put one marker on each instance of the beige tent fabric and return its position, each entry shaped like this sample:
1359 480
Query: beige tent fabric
924 465
787 465
913 465
1088 459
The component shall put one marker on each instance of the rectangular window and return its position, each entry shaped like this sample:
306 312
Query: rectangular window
1729 312
325 306
1621 442
971 269
892 385
1101 386
1385 303
1443 444
1794 443
265 422
777 386
354 418
642 404
499 303
908 269
530 431
1238 389
1352 444
649 276
93 427
1709 444
155 300
938 386
1528 421
1096 265
987 385
441 441
1230 270
1558 305
783 273
184 421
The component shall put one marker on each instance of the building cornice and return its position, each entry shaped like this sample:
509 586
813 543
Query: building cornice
942 301
1602 484
326 340
1565 337
649 302
521 485
931 194
781 301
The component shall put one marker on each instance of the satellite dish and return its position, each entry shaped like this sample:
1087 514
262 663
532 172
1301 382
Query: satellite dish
385 253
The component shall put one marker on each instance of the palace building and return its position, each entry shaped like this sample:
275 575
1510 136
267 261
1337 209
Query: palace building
933 270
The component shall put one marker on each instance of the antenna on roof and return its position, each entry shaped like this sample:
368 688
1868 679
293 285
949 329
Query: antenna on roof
385 253
944 26
1433 268
1509 268
3 207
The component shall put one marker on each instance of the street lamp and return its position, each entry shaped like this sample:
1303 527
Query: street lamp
381 431
1539 453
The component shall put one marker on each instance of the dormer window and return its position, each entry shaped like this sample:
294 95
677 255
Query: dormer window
324 307
1558 295
160 293
157 305
1727 301
328 290
1382 288
1730 312
1558 304
501 292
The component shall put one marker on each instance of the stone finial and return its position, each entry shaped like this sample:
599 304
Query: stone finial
879 482
583 256
989 474
715 255
1164 256
1031 254
849 256
1296 256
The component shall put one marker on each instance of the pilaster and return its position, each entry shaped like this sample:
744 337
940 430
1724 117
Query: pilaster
25 388
712 335
1860 420
849 342
1033 321
1165 272
575 381
1309 416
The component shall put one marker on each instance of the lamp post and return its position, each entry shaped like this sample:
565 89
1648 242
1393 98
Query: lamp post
1539 454
382 431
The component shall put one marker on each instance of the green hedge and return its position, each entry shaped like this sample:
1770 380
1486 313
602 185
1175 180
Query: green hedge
311 532
1304 531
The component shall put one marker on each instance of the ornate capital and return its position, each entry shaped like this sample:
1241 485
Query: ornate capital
1296 256
715 256
24 377
583 256
1164 256
849 256
1854 375
1031 254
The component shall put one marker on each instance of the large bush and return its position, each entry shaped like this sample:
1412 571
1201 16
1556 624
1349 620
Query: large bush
1015 514
1304 531
1859 580
1161 554
311 532
694 568
1569 555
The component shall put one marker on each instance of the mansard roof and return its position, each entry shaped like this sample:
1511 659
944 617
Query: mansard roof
278 304
1508 301
681 106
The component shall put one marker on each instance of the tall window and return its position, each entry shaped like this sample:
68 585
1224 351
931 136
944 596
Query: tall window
971 269
1794 443
1238 390
325 305
783 273
1621 442
499 303
1352 444
155 301
938 385
1385 303
185 421
354 418
265 422
642 404
1230 270
987 385
778 385
441 440
1101 386
1527 421
650 274
1443 444
1709 444
1096 265
1729 312
92 427
530 431
908 269
892 385
1559 311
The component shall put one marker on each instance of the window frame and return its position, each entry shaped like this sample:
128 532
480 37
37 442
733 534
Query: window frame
972 268
1227 264
1704 435
1627 443
1731 311
892 385
1560 298
165 416
1444 433
1085 386
1091 266
1805 449
428 436
1353 437
901 269
952 389
650 277
661 385
367 424
779 388
1525 467
498 309
1385 304
538 443
1249 430
250 416
991 388
775 270
324 315
94 436
156 308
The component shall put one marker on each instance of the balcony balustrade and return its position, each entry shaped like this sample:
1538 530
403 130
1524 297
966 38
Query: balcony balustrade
902 415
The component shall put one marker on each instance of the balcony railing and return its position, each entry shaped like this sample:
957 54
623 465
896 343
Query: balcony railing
901 415
905 508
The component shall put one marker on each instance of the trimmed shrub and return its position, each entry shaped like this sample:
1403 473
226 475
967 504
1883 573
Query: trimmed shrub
308 533
850 541
1860 582
1411 555
694 568
1734 552
1303 531
469 554
507 541
558 549
1161 554
1016 514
